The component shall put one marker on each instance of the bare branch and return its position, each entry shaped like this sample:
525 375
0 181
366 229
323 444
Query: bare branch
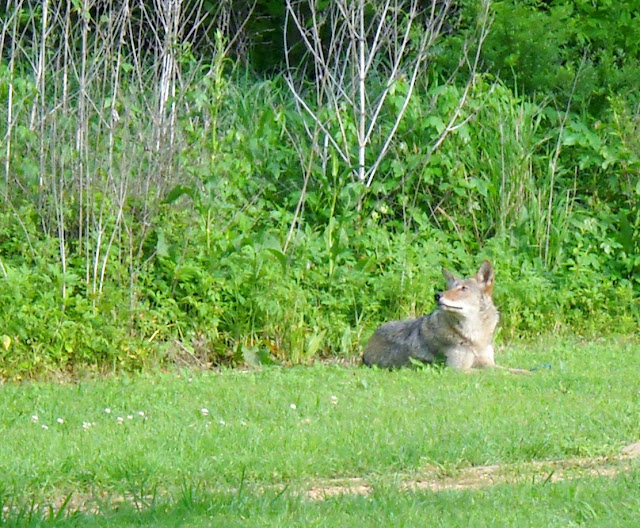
369 41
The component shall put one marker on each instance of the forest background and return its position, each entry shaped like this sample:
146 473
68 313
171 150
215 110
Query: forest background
205 183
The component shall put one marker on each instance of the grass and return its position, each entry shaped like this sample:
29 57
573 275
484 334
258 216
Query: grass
236 448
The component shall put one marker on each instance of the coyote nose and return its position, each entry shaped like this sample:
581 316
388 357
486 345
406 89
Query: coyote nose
438 296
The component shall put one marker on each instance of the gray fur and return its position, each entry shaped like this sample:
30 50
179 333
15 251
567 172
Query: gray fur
459 332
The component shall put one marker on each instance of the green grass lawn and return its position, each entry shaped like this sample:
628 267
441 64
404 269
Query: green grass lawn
238 448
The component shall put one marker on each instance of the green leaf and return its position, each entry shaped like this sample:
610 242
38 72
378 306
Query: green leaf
177 192
162 248
314 343
280 256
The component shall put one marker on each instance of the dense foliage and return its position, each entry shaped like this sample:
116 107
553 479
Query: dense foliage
183 213
575 51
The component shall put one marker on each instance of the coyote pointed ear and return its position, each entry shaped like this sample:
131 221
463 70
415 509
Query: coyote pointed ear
485 276
449 277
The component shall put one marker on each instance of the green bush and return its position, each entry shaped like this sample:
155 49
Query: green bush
204 244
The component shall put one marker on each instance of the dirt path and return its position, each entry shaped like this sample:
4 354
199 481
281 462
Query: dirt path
432 478
435 479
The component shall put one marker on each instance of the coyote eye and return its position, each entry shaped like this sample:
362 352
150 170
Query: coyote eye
464 288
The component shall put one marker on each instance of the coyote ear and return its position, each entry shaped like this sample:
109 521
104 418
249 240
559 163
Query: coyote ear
449 277
485 277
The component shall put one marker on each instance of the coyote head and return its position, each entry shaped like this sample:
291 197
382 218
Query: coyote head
467 296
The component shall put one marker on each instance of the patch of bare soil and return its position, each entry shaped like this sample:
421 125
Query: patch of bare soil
436 480
332 488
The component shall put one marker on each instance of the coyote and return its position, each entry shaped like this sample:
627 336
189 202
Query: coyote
459 332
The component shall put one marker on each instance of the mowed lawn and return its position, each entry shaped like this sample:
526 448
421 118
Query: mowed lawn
328 445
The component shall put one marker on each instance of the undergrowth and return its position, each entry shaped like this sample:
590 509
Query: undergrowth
185 215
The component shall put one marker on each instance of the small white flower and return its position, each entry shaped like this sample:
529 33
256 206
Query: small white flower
204 411
107 410
243 423
86 425
119 420
334 400
293 406
141 413
223 423
60 421
45 427
129 416
34 418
